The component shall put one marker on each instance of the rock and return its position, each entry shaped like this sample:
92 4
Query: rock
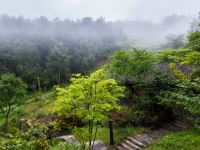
69 138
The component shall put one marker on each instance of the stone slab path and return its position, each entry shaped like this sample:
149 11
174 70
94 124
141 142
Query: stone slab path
144 139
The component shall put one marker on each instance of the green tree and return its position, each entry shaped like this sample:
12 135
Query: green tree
91 98
12 90
132 69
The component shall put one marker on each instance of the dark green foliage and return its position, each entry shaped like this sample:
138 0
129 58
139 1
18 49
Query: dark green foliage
42 63
46 52
195 74
131 65
150 102
132 69
145 85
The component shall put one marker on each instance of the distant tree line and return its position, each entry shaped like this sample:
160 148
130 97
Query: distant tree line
44 53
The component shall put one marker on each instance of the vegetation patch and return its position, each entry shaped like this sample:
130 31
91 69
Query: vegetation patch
186 140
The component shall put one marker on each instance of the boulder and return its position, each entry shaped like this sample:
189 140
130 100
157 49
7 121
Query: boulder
68 138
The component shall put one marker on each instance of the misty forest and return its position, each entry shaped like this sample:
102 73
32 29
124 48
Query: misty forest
98 84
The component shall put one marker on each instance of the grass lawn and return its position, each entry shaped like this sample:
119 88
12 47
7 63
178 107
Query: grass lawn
186 140
119 133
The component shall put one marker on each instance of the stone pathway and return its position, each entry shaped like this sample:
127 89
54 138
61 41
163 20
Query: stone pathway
99 145
144 139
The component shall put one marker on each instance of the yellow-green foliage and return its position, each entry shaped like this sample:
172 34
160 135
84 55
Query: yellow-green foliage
173 55
177 73
89 96
192 59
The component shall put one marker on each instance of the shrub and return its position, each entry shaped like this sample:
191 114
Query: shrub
59 145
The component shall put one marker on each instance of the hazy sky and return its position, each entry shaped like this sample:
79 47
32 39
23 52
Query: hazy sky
110 9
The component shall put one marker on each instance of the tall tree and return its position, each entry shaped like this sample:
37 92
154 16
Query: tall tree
91 98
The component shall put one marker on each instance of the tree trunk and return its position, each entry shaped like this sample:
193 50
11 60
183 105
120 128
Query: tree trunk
111 132
7 117
90 134
59 77
95 134
39 86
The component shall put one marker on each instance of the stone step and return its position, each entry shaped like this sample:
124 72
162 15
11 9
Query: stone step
184 125
183 120
144 138
132 145
160 133
157 134
179 125
143 141
153 136
118 147
164 131
138 143
125 146
172 128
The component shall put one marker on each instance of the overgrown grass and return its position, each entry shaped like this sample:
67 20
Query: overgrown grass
186 140
36 106
119 133
39 106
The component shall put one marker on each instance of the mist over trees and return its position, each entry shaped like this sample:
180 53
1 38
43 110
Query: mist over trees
143 33
150 35
45 52
194 26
